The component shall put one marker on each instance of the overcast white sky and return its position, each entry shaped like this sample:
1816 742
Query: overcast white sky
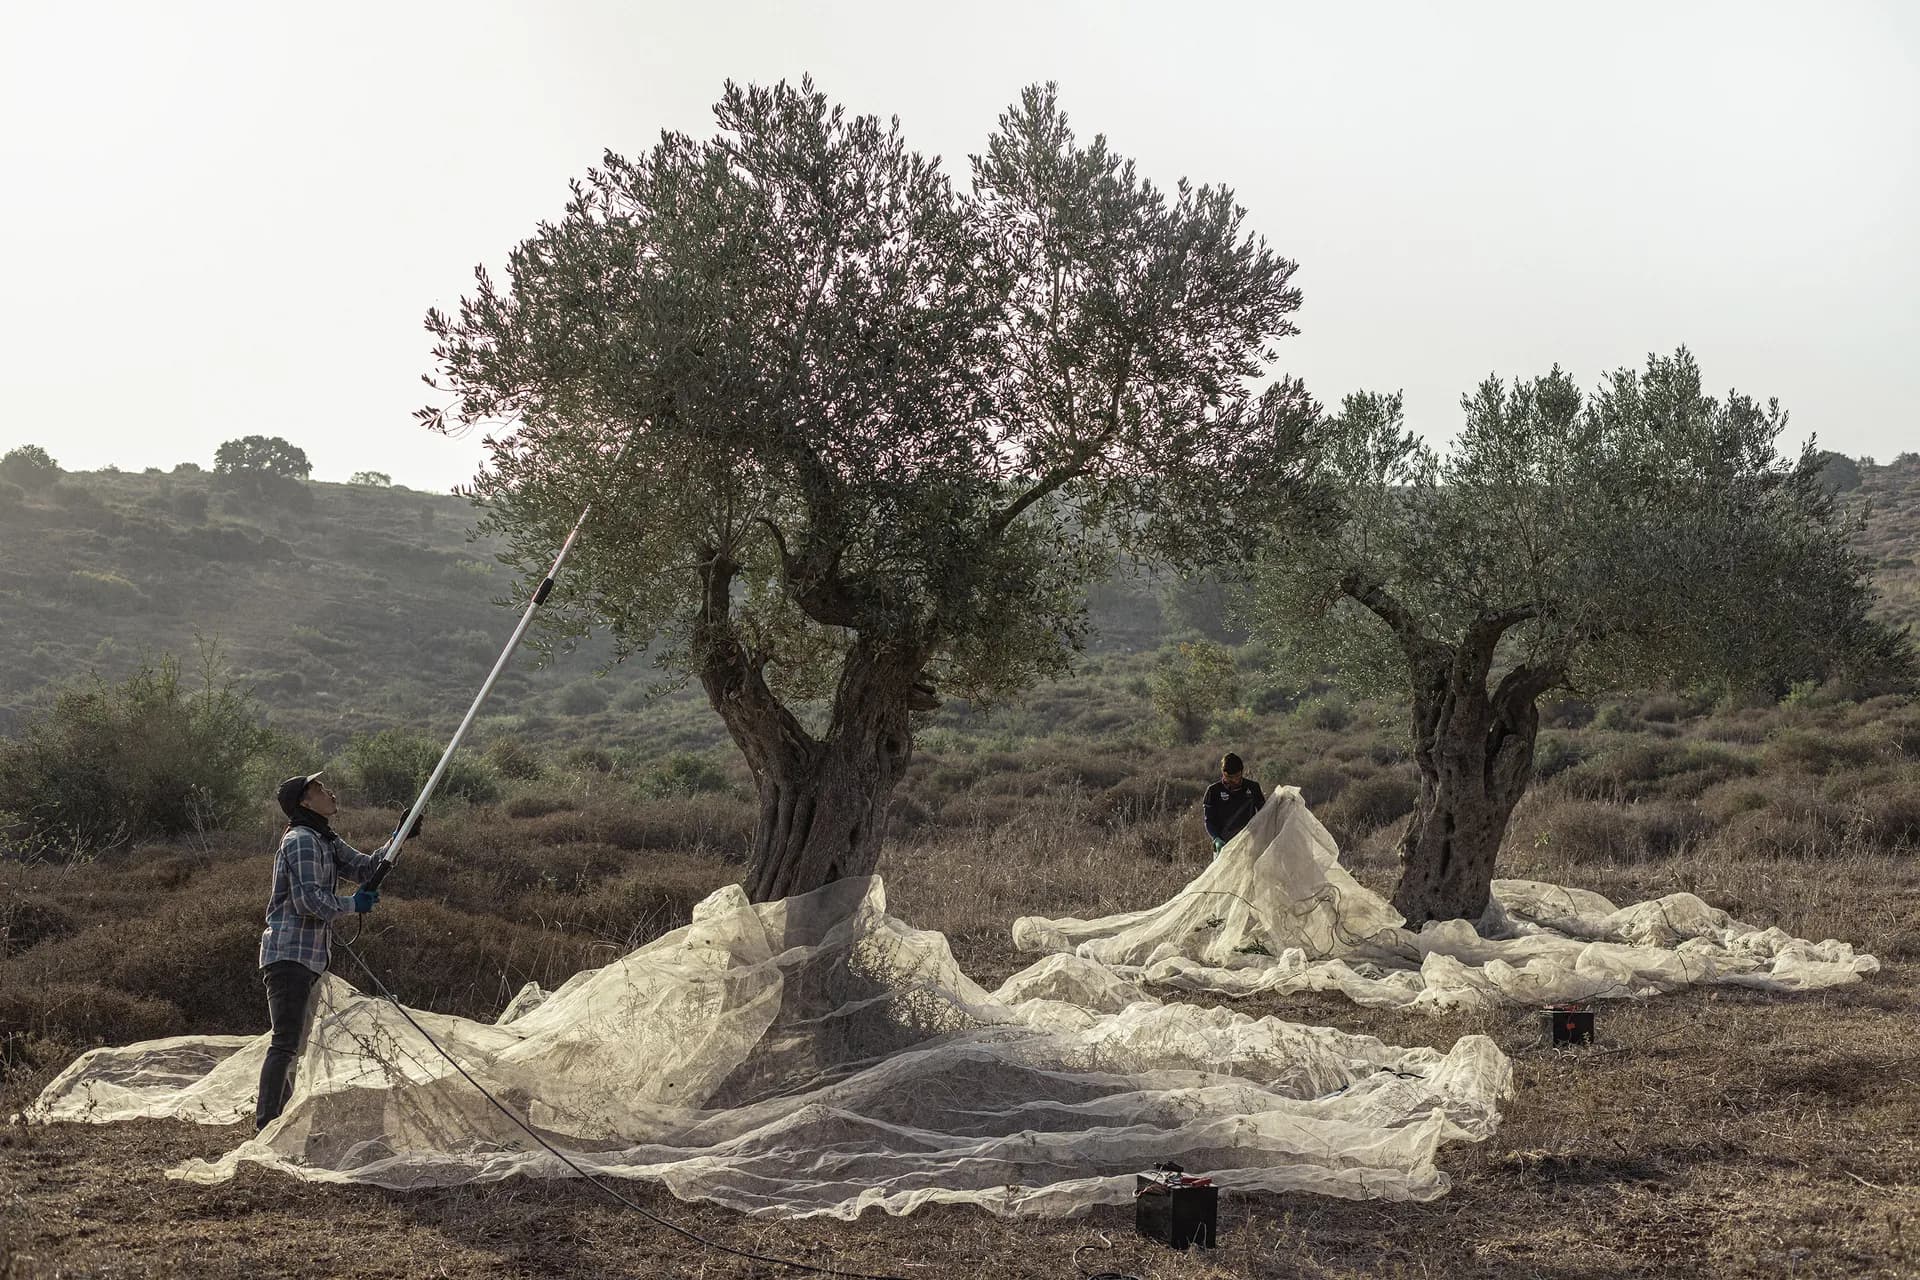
225 219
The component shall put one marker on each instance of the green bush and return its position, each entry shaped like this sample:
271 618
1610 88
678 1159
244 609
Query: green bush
391 766
513 758
587 758
683 773
144 758
1329 712
1554 753
29 466
1615 718
583 698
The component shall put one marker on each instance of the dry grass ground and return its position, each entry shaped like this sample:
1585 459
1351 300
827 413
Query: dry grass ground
1713 1133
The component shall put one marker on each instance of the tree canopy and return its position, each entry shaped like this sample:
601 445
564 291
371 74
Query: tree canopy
857 437
28 464
268 454
1648 534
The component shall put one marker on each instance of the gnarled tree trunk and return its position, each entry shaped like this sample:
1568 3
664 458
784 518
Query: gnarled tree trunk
823 800
1475 754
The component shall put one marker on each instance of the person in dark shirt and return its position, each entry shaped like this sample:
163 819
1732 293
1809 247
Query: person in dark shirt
1231 802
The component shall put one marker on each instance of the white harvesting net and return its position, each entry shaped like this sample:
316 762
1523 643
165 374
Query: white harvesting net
818 1056
1277 912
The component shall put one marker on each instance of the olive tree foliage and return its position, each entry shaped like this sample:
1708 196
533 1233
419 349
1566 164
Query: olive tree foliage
1647 534
858 441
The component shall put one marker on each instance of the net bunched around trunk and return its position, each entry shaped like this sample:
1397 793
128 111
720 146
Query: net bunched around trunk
1277 912
817 1056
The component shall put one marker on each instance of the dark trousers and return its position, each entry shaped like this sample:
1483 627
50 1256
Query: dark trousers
289 989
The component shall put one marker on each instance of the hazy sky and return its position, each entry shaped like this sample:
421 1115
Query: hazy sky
221 220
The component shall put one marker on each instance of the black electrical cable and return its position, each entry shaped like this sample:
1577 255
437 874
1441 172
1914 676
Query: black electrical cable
566 1160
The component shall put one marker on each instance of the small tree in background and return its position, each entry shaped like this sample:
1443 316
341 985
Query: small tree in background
856 440
270 455
147 757
373 479
1194 681
1646 536
29 466
391 766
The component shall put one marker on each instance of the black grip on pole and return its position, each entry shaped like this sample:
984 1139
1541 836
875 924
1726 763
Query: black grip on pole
546 589
379 874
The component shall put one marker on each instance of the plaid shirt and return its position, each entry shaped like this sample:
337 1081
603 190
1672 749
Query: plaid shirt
306 871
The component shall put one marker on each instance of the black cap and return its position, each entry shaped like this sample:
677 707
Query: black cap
293 791
1231 763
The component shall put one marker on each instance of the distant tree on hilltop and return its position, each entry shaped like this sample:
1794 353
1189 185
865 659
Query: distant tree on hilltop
375 479
28 465
1648 535
1838 472
268 454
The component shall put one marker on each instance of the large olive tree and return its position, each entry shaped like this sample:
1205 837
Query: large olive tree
1647 534
859 440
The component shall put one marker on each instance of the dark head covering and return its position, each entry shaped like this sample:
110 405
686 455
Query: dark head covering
291 793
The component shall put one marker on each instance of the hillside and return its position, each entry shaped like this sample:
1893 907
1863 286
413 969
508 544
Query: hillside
349 608
352 608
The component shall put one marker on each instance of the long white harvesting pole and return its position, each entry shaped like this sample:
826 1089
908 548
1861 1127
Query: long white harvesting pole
513 642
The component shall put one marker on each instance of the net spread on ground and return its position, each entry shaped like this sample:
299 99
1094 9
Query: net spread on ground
818 1056
1277 912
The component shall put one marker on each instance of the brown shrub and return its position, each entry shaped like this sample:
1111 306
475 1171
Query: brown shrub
1770 833
1641 770
1370 803
1891 815
86 1013
1664 708
1566 713
1818 751
537 805
1723 802
713 822
1144 795
1319 783
978 809
1586 831
27 919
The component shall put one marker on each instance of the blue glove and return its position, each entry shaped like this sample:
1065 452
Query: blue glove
363 901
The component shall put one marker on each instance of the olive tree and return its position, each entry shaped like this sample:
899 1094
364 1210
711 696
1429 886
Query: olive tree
1646 534
858 440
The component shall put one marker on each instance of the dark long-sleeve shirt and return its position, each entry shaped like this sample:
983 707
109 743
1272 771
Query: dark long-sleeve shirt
1227 811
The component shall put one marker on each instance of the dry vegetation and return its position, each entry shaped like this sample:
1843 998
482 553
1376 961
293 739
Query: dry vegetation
1712 1133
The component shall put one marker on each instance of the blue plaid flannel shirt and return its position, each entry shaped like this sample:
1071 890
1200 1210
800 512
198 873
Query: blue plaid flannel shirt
306 871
